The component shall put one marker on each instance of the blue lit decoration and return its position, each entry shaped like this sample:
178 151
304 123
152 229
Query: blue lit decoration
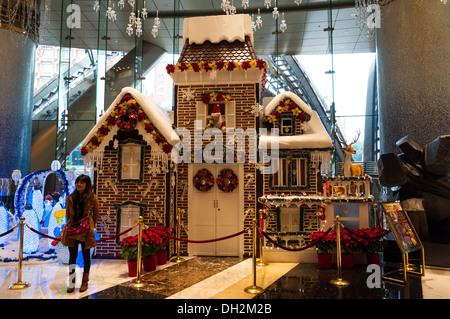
37 201
48 208
20 198
30 238
53 226
4 223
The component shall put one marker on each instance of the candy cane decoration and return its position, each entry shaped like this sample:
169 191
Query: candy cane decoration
109 182
153 182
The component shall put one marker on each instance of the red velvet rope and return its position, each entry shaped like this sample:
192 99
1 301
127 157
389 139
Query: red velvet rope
154 242
296 249
198 241
98 241
8 232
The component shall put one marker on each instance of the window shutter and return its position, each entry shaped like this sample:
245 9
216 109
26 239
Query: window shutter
230 114
201 110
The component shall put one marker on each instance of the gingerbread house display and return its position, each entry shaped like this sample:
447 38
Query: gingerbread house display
302 196
218 82
129 152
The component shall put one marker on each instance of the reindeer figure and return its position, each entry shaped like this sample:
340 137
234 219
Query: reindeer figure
349 169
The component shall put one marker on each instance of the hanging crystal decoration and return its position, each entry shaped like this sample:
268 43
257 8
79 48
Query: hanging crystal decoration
131 3
96 5
259 20
245 4
253 25
156 25
283 25
275 11
267 3
138 26
130 29
225 6
121 4
111 13
232 10
132 18
144 12
298 2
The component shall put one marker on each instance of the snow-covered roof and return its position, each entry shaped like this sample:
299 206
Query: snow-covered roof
314 134
217 28
156 115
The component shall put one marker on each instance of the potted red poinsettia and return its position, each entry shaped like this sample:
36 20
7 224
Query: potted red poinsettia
160 242
149 258
129 251
324 248
374 243
349 246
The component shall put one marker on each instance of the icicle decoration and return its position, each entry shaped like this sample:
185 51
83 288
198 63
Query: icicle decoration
121 4
245 4
267 3
298 2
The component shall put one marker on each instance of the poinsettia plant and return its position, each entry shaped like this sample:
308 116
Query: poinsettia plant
326 244
129 248
373 240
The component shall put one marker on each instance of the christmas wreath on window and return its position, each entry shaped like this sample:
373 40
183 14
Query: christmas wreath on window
203 180
227 180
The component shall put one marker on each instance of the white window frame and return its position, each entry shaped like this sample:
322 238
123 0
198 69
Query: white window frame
129 214
230 113
131 166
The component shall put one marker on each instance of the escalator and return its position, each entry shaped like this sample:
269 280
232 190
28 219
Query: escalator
48 141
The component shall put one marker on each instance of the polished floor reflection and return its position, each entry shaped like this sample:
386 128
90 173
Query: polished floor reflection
215 278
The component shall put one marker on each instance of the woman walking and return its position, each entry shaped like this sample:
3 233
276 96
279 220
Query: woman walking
81 204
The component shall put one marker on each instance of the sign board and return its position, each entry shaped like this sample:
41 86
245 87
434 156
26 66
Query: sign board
401 227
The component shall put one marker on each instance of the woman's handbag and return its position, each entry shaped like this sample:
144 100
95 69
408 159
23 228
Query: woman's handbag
78 232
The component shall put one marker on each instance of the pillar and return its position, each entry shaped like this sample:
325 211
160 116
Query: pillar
17 51
413 54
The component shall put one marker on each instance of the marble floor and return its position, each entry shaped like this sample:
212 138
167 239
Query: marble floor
214 278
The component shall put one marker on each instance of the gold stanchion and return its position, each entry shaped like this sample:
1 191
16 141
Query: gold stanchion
178 259
137 283
261 261
339 281
254 289
20 284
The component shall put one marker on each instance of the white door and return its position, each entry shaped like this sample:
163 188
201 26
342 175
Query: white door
215 214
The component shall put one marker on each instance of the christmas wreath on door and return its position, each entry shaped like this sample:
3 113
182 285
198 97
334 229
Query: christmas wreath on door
227 180
203 180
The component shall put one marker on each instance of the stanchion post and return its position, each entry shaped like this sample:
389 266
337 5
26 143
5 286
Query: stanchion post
138 283
261 261
339 281
178 259
20 284
254 289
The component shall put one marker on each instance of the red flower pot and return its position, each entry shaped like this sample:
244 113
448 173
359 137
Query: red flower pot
324 260
132 268
162 257
373 259
150 263
348 260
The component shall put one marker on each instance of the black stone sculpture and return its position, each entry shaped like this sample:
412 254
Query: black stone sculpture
422 173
